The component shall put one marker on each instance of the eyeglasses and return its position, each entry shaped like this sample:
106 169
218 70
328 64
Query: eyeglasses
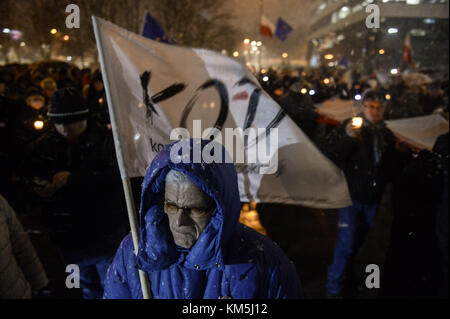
374 105
193 212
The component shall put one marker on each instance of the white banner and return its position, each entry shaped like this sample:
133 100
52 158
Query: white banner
338 109
153 88
420 131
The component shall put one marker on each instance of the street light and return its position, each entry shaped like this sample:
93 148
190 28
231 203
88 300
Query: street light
394 71
53 31
328 56
284 55
235 54
66 38
246 41
381 51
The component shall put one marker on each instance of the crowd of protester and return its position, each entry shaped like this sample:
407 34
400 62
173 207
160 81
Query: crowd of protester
57 160
371 157
59 166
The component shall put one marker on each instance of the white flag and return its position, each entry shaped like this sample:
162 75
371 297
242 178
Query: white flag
153 88
420 131
338 109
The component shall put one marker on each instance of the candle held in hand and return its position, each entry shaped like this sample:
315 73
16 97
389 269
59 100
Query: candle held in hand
357 122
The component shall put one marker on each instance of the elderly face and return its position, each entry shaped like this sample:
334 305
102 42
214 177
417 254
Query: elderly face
187 207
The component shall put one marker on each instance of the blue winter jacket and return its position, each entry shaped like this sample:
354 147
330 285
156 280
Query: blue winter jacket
227 260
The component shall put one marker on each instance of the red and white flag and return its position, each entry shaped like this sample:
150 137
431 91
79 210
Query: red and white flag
267 27
407 51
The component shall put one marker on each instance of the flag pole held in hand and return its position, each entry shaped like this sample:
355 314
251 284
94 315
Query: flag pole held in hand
146 292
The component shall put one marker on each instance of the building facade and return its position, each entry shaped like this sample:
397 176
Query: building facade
346 32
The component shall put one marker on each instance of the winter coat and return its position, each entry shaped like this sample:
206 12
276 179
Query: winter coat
367 165
20 268
88 214
227 260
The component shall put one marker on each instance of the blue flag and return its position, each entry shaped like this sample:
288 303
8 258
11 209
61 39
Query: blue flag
283 29
153 30
344 62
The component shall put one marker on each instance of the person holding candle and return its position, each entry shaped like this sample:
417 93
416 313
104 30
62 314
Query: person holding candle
364 148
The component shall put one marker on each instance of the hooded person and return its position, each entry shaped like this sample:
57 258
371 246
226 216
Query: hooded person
191 243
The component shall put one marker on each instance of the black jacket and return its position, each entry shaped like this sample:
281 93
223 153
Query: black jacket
89 211
367 161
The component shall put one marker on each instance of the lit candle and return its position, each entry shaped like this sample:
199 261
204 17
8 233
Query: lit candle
357 122
38 125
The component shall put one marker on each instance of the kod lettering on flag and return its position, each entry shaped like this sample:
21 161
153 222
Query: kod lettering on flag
154 88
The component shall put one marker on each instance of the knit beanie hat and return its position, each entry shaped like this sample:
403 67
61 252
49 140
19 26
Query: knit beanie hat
67 106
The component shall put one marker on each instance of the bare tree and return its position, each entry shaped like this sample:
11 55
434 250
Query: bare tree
198 23
35 18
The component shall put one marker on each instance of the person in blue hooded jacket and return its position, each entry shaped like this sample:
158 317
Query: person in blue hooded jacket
191 243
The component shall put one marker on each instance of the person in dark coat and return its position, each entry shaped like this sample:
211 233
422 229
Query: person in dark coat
32 121
366 154
191 243
74 175
26 122
418 245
